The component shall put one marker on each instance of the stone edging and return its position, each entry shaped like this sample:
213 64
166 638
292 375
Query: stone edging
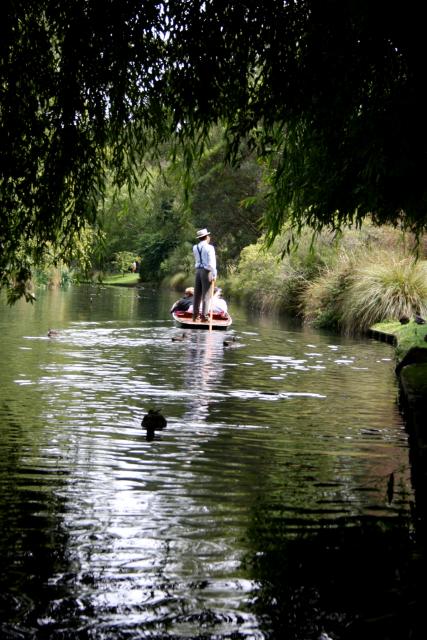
411 371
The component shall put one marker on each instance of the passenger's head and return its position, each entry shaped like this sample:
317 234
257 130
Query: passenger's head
189 292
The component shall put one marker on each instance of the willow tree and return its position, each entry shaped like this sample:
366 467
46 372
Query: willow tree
330 94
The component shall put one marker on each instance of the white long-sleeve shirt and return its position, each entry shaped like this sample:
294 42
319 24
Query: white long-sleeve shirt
204 255
219 305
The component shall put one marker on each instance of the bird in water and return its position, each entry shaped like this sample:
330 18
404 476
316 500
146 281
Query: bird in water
52 333
153 421
179 338
230 342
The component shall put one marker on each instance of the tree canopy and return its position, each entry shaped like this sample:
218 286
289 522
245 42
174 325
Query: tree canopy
330 94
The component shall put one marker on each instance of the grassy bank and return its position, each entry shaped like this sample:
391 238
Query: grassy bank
407 335
411 356
346 283
126 280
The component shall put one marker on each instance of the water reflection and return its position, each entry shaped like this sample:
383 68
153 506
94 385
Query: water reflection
359 579
253 516
202 374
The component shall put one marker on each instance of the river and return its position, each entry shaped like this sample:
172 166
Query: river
277 503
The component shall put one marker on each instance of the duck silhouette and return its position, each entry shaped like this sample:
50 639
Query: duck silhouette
230 342
180 338
153 421
52 333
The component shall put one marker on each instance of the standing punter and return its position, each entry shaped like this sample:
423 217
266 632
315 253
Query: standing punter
205 259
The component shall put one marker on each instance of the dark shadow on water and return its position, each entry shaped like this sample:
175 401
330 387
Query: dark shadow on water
33 550
355 580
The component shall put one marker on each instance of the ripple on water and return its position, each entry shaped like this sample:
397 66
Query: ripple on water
116 536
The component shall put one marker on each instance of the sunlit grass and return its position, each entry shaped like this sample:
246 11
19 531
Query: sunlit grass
386 286
365 288
126 280
407 335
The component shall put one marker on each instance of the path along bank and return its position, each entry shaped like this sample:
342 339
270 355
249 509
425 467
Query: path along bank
410 341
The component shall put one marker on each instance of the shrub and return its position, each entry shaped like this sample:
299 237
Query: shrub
385 286
180 260
346 282
322 300
261 280
366 288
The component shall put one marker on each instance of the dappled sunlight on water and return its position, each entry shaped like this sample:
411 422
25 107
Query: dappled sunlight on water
268 446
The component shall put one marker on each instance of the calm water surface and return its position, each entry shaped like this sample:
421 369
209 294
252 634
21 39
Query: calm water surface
281 482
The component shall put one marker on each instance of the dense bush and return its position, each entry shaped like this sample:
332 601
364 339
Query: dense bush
385 286
262 280
275 278
366 288
345 282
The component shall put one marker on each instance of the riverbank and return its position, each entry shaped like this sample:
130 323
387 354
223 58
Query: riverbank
410 341
119 280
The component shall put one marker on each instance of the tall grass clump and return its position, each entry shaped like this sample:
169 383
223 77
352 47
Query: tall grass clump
345 281
365 288
385 286
322 302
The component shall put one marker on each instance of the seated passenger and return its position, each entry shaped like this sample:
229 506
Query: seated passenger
219 305
186 302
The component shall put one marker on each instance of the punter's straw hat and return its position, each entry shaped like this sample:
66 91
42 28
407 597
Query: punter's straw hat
202 233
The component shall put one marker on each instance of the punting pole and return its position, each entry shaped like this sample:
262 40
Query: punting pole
211 306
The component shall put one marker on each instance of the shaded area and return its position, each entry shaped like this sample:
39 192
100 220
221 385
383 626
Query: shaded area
363 578
293 437
34 540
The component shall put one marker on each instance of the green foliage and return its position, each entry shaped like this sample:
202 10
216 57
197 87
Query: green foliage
180 260
322 301
165 227
330 95
154 248
263 281
384 287
121 219
366 288
47 268
123 260
150 222
275 278
345 281
407 335
69 73
227 199
60 276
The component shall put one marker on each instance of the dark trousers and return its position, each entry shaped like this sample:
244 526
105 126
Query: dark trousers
202 289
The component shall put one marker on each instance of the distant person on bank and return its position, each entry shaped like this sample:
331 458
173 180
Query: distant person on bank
205 263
